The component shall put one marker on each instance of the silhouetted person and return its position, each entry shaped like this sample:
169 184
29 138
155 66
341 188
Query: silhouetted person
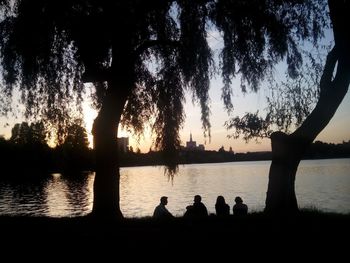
240 208
196 210
221 208
160 211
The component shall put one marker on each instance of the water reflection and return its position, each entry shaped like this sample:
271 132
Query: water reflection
56 200
53 195
80 194
23 197
324 184
69 195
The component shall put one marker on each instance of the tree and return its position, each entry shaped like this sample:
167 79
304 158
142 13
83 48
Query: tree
76 137
74 153
27 149
292 106
20 133
25 134
141 57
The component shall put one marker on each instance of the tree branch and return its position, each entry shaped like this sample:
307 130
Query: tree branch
327 74
339 14
332 94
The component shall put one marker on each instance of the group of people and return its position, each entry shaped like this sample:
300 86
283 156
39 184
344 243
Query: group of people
198 209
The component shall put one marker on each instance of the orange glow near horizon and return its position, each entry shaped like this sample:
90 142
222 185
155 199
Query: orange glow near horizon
89 116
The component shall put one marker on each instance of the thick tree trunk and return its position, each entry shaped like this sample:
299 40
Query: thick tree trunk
286 155
106 183
107 176
120 80
287 150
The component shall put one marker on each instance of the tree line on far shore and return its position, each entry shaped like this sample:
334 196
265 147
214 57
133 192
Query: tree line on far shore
27 152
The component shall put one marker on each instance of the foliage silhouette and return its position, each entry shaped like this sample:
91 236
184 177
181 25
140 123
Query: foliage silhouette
141 57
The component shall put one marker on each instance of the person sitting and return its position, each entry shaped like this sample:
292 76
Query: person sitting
197 210
221 208
240 208
160 212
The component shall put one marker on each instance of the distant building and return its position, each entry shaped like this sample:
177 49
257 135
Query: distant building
123 144
192 145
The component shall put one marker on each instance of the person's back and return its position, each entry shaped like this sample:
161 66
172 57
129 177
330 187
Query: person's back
198 209
239 208
160 211
221 208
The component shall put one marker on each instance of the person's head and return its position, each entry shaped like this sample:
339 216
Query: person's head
238 200
197 199
164 200
220 200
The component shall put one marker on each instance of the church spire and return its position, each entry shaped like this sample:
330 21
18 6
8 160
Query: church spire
190 136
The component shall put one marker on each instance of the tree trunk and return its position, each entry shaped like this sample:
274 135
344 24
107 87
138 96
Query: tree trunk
286 155
287 150
107 176
120 80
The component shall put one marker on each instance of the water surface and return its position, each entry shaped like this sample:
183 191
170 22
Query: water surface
324 184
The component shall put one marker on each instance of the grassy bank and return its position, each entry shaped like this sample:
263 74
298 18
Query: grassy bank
257 232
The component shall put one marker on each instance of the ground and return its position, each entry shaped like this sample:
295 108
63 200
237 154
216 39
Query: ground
313 235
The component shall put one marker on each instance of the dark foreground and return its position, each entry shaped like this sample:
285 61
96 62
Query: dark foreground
312 235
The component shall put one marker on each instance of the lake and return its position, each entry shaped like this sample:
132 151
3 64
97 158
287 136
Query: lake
322 184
